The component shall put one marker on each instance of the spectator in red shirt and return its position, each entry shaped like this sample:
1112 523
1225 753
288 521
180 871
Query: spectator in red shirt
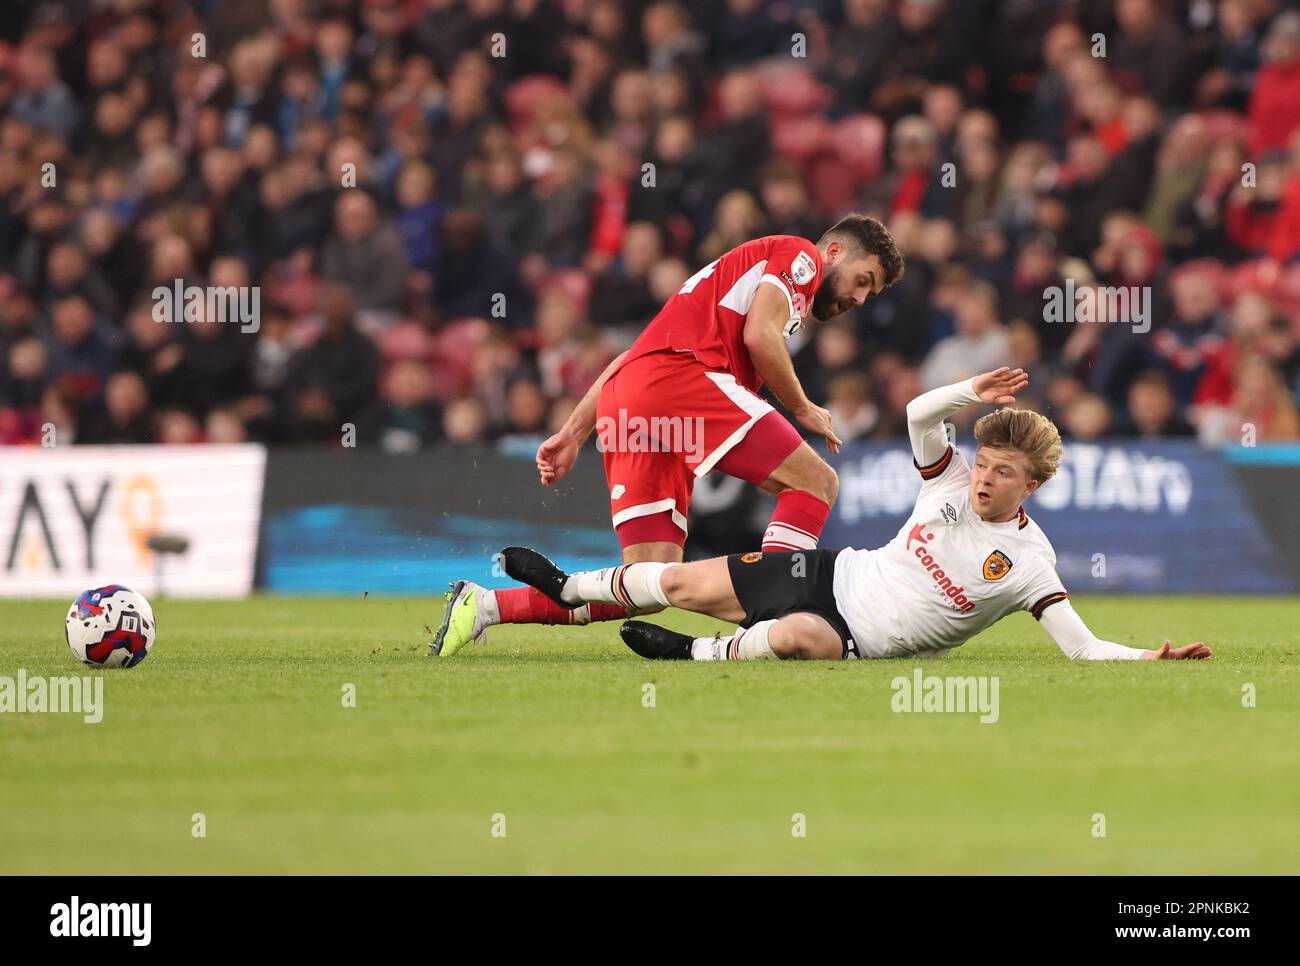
1284 240
1275 104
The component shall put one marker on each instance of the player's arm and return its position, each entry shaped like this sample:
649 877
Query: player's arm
1074 638
556 456
765 341
926 413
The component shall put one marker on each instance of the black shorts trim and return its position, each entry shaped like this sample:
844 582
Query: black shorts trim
771 585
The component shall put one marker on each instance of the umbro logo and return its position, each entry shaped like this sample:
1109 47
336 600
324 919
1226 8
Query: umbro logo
949 513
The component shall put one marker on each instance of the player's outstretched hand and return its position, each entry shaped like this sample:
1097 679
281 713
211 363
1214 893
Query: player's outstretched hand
1192 652
817 420
556 457
1001 385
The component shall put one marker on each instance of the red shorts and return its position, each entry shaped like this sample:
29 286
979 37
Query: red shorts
662 421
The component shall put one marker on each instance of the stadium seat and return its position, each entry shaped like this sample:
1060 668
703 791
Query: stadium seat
1211 265
523 96
1254 276
1225 125
832 185
572 282
859 140
454 347
407 340
799 139
793 91
1288 291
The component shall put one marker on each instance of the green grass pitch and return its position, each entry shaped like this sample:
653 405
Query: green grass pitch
544 734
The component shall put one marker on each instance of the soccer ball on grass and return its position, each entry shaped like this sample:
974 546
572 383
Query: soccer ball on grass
110 626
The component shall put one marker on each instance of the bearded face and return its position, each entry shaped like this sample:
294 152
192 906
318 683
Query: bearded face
849 282
834 296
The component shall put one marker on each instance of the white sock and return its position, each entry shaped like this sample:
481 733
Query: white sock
744 645
488 609
635 586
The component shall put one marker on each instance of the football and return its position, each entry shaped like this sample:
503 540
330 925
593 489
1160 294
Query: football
110 626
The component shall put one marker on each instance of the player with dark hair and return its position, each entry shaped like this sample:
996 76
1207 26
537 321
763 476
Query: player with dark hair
967 556
683 401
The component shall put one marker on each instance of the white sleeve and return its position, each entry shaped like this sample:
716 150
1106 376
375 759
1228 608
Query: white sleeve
925 416
1073 637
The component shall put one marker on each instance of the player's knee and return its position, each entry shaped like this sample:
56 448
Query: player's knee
803 637
675 586
832 485
817 478
824 482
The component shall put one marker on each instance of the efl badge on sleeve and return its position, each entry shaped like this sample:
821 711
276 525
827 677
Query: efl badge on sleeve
803 269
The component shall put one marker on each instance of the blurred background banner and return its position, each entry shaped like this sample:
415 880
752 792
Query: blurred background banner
1125 517
77 518
340 522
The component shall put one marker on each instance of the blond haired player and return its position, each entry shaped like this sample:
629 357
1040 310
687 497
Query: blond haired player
967 556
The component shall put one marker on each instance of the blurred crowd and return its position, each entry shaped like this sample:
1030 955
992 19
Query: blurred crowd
458 211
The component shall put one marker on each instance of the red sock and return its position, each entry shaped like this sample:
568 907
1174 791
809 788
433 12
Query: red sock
797 523
528 605
607 612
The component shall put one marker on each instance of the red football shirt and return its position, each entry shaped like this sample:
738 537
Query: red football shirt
707 315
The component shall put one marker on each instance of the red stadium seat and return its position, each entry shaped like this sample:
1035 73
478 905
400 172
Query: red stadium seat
1288 291
1256 276
523 96
407 340
859 140
793 91
572 282
1225 125
1216 268
454 348
832 185
799 139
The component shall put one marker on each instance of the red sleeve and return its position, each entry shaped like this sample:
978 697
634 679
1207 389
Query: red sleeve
795 265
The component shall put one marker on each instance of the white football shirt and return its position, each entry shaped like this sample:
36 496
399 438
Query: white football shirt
947 575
